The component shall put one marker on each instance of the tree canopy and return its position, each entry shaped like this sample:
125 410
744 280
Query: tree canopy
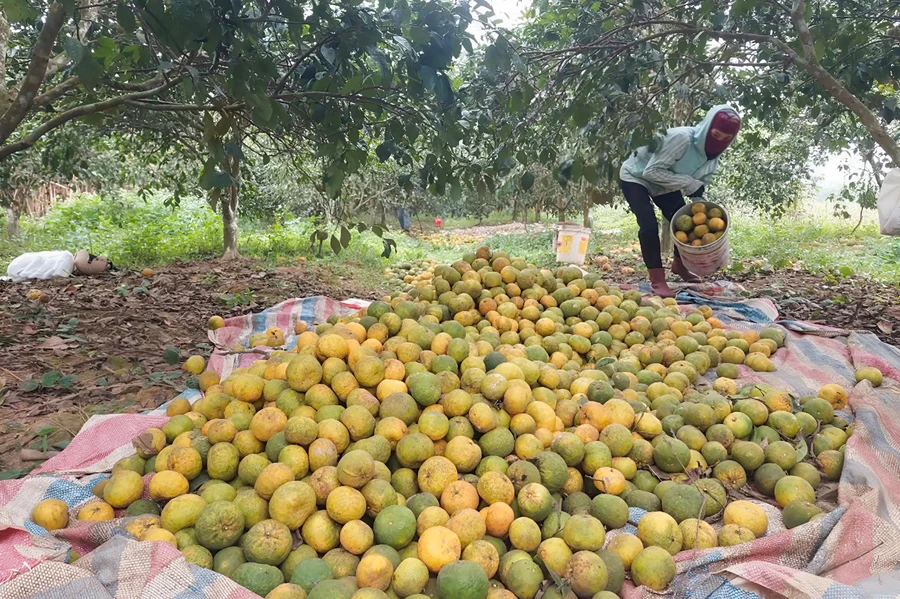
403 94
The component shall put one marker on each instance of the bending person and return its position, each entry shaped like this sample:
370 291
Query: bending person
683 164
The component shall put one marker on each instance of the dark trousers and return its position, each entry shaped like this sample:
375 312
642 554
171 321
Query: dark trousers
641 203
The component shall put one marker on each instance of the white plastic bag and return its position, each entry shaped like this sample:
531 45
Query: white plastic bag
41 265
889 204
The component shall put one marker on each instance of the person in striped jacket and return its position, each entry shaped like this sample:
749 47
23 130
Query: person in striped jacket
682 164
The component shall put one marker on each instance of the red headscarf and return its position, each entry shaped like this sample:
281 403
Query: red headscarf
724 128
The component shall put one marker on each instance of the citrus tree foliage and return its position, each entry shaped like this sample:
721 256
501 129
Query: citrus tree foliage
74 156
767 171
341 81
583 83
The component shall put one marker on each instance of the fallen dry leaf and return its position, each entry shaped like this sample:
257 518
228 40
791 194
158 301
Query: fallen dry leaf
58 343
885 327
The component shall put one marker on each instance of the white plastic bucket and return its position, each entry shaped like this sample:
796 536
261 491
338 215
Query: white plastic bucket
703 259
570 242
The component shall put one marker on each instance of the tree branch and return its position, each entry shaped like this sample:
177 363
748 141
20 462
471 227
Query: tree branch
836 88
79 111
279 87
88 16
57 92
4 42
136 87
37 69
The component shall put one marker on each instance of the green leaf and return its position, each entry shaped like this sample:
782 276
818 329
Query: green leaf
345 236
318 113
335 245
383 151
222 179
444 90
405 46
577 169
758 435
50 378
581 115
783 263
328 54
527 181
67 381
171 356
802 449
18 11
75 49
352 85
429 77
89 71
126 18
333 180
233 149
455 191
30 385
381 60
846 271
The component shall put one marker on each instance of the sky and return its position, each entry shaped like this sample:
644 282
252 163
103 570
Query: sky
509 11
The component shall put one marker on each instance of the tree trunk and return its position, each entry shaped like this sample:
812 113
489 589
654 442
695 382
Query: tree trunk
229 201
12 222
229 223
586 211
560 209
515 214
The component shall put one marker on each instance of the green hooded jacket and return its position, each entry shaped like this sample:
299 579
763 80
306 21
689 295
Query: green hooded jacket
680 163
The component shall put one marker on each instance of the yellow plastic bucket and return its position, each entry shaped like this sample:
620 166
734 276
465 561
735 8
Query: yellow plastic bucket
703 259
570 241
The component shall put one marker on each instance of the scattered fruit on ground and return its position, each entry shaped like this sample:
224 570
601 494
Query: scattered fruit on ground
871 374
486 423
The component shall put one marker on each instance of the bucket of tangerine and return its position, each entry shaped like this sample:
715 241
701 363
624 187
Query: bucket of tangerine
700 231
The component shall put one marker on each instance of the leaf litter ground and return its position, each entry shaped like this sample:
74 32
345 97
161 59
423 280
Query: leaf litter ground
115 342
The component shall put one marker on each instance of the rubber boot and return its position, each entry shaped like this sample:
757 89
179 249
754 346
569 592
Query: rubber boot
682 271
658 283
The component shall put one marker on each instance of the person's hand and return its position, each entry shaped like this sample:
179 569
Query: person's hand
698 193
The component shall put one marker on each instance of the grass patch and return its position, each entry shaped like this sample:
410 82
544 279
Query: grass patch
128 230
810 236
138 233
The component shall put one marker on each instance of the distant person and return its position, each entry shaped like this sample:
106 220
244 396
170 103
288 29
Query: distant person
403 217
683 164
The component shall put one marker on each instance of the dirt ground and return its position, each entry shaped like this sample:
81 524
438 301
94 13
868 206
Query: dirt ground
95 345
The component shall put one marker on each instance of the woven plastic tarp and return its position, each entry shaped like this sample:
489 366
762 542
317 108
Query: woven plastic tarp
853 552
